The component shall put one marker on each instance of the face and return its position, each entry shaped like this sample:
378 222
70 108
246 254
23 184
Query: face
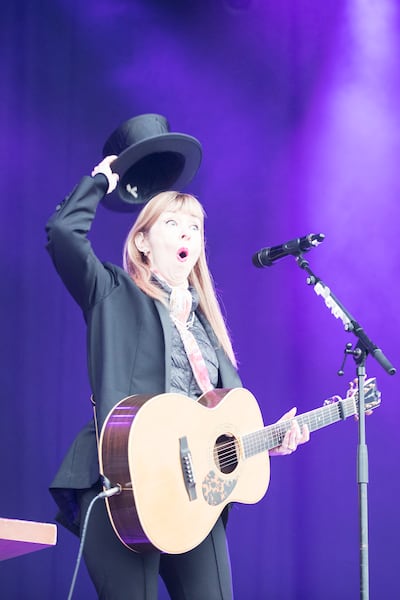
173 244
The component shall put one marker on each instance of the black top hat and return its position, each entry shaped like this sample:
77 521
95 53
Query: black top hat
150 160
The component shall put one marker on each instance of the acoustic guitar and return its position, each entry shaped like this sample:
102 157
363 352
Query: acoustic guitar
178 462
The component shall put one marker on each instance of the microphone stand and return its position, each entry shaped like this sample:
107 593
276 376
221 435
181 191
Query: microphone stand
360 352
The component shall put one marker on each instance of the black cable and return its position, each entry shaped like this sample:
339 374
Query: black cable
83 535
106 494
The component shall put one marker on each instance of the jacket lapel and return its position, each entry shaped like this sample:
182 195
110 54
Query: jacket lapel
166 327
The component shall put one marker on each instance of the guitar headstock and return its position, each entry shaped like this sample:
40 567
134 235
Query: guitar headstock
372 396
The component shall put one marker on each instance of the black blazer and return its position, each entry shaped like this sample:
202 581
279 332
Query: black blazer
128 335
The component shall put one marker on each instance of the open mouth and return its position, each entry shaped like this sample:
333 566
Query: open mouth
182 254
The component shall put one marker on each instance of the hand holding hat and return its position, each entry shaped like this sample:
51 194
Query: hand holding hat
104 167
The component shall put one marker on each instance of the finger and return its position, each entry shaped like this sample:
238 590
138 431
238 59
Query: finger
289 415
288 443
297 436
305 434
105 164
110 158
112 182
102 168
294 436
302 435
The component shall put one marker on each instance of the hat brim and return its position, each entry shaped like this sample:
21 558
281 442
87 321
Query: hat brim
187 152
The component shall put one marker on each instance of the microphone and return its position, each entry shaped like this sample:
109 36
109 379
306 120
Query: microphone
267 256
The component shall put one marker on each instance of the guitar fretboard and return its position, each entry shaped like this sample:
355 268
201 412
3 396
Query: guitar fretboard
272 435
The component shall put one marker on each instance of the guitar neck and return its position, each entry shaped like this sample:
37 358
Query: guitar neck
272 435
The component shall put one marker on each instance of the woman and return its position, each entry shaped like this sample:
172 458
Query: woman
138 321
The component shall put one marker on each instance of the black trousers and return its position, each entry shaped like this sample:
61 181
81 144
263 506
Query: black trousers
117 573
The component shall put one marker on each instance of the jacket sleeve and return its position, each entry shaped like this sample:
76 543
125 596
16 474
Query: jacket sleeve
86 278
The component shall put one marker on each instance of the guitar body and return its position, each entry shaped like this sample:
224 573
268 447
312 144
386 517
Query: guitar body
179 463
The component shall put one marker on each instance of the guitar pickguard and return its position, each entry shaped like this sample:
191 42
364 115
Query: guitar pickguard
215 489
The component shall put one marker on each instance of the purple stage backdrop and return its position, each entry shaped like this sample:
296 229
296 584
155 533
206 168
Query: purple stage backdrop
296 104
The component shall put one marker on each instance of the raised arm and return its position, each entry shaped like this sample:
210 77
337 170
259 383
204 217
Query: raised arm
81 271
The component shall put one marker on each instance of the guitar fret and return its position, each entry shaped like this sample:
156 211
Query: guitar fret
272 435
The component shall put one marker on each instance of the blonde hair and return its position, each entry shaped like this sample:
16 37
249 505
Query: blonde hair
137 265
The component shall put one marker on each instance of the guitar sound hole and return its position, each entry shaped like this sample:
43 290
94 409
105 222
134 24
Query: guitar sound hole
226 453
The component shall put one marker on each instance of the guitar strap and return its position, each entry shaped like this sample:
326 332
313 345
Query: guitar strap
96 426
104 480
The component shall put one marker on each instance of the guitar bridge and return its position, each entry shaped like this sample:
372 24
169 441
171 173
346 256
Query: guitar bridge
187 468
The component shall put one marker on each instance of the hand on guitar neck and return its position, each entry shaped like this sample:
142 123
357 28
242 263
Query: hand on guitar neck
296 436
293 437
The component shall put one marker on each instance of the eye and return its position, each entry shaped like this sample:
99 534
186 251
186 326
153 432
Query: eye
195 227
171 222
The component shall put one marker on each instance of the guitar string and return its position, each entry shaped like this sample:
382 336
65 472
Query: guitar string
276 431
328 409
227 453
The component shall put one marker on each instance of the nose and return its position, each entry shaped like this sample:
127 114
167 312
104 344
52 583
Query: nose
185 234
